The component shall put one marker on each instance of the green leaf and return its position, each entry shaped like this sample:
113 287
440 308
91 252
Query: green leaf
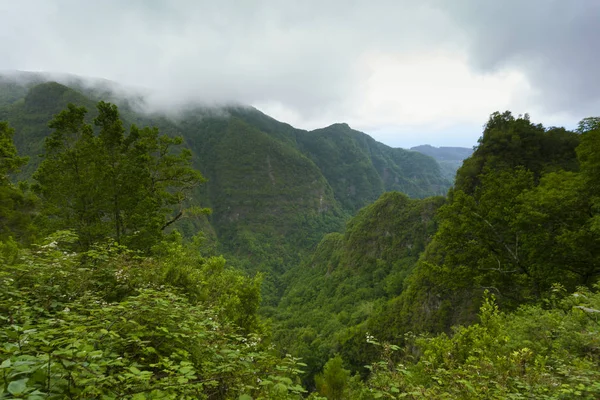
186 370
134 370
18 387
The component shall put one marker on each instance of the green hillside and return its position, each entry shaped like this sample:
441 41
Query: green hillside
269 202
505 270
449 158
515 223
115 285
274 190
350 276
359 168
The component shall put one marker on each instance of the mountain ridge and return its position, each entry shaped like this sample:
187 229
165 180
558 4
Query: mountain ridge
450 158
275 190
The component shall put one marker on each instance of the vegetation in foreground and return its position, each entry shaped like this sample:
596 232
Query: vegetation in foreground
102 298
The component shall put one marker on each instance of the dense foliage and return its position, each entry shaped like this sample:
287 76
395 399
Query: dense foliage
274 190
108 323
96 319
107 292
521 219
129 187
349 278
536 352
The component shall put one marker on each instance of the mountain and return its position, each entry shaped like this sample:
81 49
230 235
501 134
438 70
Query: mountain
519 227
392 293
274 190
349 278
449 158
444 153
517 223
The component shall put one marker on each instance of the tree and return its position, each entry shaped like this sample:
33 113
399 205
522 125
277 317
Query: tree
588 154
9 160
111 137
68 178
557 242
588 124
508 142
481 246
129 187
15 205
334 379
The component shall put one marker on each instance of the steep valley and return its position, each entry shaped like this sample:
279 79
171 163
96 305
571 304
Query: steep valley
330 264
274 190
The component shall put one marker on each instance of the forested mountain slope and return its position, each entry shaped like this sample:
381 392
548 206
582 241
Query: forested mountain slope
110 291
449 158
518 233
519 220
274 190
350 276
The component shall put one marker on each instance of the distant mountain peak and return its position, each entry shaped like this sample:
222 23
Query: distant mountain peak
449 158
339 125
444 153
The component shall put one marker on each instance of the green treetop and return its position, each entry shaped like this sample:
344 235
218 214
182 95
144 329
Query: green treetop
129 187
15 218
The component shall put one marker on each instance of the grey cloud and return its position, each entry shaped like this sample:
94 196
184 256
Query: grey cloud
555 43
307 55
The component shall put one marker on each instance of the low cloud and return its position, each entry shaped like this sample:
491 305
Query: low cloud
385 65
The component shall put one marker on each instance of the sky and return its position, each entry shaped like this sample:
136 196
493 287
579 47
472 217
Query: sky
407 72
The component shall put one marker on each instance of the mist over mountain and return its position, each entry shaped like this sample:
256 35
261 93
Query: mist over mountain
270 185
320 200
336 245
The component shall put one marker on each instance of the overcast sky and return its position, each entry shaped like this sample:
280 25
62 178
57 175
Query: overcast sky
406 72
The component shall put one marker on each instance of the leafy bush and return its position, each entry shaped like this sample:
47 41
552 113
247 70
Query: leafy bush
110 324
535 352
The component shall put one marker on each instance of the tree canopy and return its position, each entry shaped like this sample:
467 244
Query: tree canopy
15 204
104 183
492 292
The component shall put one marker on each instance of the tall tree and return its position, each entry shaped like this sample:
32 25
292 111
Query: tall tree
129 187
68 178
509 142
111 138
15 206
334 379
9 160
